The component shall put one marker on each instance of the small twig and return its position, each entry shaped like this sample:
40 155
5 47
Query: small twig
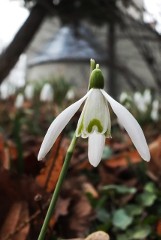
38 200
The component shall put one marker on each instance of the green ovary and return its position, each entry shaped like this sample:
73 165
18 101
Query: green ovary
94 122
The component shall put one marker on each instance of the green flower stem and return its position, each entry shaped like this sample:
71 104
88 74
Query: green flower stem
92 67
92 64
57 189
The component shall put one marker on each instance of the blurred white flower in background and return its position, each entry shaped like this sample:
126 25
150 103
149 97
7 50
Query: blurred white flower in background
155 110
15 79
124 96
47 93
70 94
143 105
142 101
6 90
147 96
139 102
125 99
29 92
19 101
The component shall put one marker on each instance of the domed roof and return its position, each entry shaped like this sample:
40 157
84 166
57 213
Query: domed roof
70 44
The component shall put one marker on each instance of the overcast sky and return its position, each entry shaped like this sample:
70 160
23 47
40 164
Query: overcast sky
153 12
12 15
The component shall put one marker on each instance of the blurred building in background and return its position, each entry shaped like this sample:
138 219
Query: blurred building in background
67 52
127 49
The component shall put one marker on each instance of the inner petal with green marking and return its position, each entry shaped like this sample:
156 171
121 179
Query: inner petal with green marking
95 116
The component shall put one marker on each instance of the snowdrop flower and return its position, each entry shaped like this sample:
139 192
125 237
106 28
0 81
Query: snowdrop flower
155 104
155 110
19 101
124 96
29 91
137 97
125 99
47 93
94 122
154 115
70 94
139 102
147 96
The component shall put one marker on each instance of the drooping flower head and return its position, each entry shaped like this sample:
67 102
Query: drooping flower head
29 92
47 93
94 122
19 101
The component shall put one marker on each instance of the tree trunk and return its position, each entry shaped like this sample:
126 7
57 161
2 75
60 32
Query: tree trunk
11 54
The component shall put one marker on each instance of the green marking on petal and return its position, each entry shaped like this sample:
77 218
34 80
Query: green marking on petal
95 122
80 128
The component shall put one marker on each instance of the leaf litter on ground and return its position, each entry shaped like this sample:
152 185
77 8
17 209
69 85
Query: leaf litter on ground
82 206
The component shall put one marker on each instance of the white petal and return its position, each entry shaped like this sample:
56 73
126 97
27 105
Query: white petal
96 143
131 126
58 125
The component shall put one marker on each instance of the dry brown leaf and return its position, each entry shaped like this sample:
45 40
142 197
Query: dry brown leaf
17 214
1 143
4 153
49 174
123 159
12 150
158 228
74 239
22 234
14 188
155 149
80 215
8 193
99 235
83 165
155 162
6 159
106 176
11 220
89 188
60 210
